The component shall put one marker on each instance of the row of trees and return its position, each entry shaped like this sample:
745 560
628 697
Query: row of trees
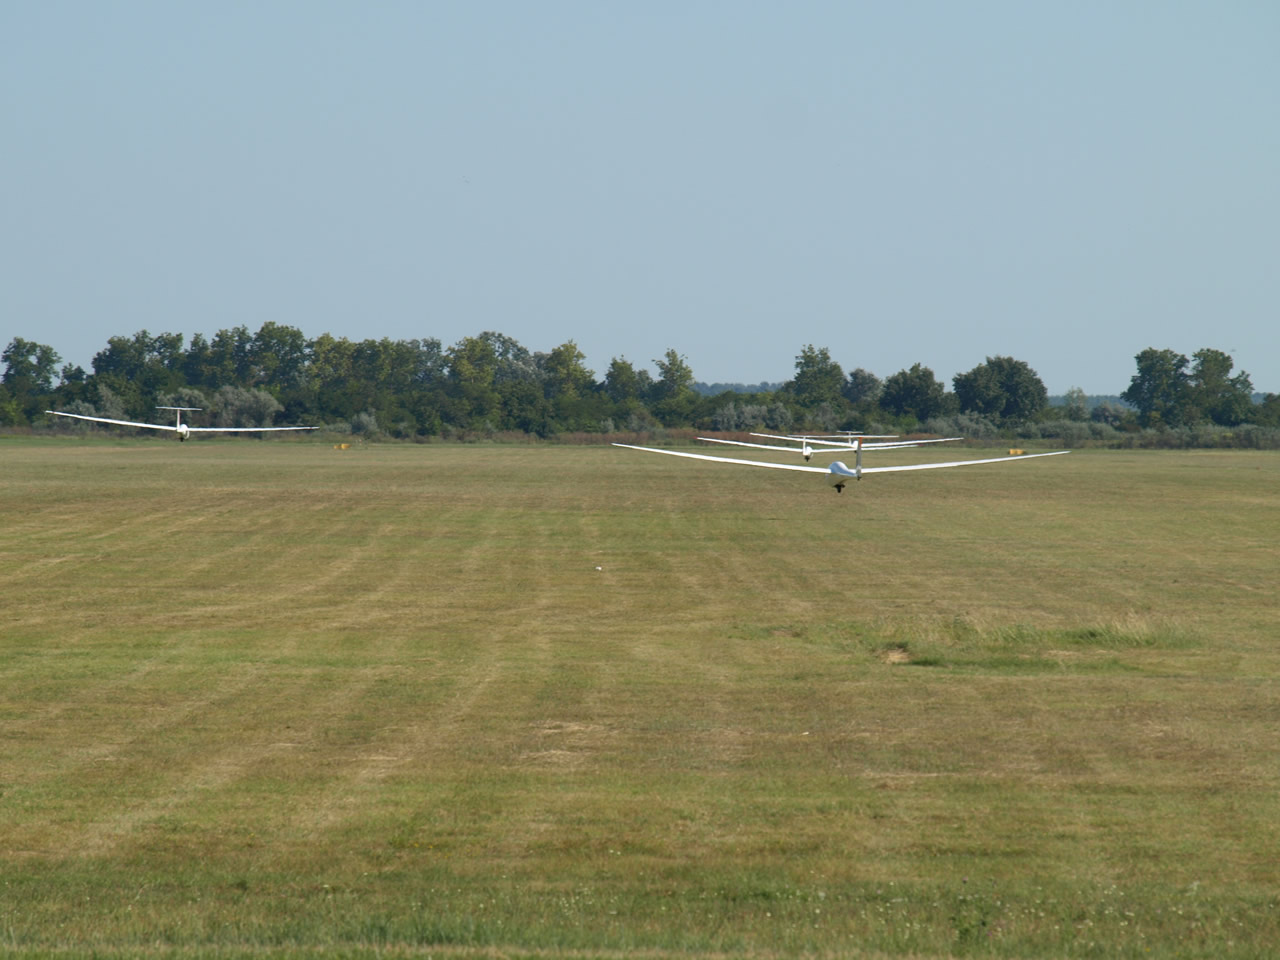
1169 389
491 383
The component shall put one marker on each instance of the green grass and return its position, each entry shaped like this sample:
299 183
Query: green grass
271 698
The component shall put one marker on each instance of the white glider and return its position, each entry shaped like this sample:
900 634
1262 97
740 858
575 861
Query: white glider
183 430
838 474
843 439
852 443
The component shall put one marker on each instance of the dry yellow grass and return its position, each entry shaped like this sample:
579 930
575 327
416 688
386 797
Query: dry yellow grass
275 697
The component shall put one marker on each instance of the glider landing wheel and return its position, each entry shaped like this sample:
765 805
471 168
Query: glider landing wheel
839 488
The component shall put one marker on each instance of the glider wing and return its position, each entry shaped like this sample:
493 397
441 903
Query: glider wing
119 423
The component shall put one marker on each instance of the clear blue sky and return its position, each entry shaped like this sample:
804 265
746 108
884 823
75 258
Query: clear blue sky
902 182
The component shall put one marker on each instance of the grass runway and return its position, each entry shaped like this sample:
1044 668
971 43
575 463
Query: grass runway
277 699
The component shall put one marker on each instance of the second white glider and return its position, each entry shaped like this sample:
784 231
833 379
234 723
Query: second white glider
838 475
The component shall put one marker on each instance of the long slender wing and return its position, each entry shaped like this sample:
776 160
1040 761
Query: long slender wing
847 444
828 451
961 463
842 437
704 456
743 443
119 423
243 429
170 427
838 467
842 442
906 443
830 448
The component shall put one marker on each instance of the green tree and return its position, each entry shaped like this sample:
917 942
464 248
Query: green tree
1159 390
11 413
1114 415
1004 389
1267 413
371 367
229 359
28 379
673 395
568 387
675 375
1214 394
196 360
473 363
72 374
565 373
1076 407
140 368
514 361
422 361
29 366
277 355
328 380
73 388
863 388
626 389
416 381
472 400
818 378
142 357
622 382
914 393
524 406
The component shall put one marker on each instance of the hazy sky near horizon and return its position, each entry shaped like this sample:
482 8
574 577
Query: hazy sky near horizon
927 182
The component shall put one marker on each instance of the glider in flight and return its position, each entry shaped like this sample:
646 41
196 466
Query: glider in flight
183 430
838 475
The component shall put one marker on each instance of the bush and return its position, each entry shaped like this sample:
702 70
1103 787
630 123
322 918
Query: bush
1204 436
183 397
1251 437
67 425
972 426
237 407
1074 433
365 423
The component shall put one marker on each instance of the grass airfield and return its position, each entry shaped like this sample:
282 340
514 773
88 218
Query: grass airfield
277 699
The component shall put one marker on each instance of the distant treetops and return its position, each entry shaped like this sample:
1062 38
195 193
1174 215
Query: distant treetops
491 383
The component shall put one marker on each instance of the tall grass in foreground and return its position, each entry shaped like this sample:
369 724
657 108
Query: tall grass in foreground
268 699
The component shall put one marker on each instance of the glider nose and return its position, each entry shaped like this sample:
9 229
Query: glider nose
840 474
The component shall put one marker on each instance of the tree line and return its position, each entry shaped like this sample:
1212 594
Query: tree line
490 384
